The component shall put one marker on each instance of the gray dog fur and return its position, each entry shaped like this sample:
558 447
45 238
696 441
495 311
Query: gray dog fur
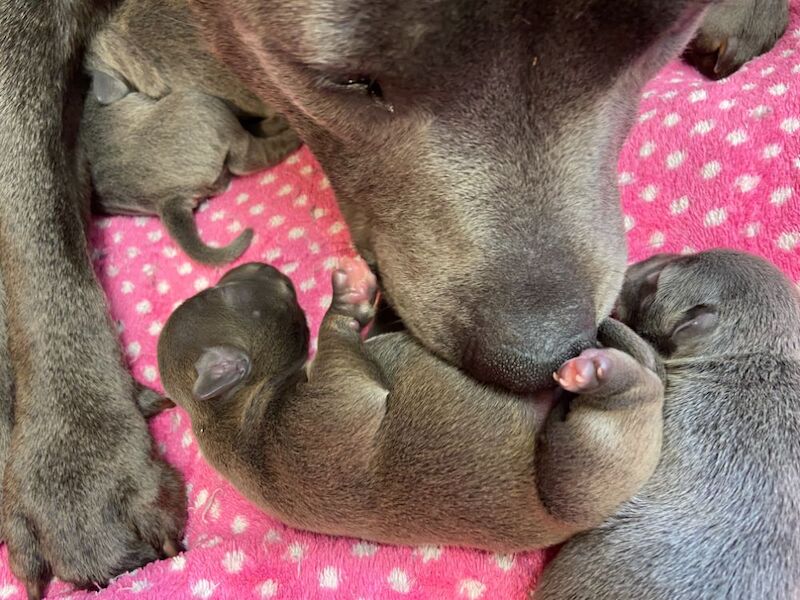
383 441
467 175
720 518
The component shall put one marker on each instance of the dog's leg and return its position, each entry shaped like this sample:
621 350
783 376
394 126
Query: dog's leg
735 31
81 468
608 443
6 392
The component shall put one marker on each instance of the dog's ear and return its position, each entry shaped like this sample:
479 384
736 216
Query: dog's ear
107 88
219 370
695 323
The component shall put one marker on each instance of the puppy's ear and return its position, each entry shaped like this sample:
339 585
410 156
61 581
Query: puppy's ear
107 88
220 369
696 322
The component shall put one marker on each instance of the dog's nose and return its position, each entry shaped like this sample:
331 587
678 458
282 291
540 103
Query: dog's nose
523 355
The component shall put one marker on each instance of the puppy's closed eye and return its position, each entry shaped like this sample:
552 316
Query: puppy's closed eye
695 323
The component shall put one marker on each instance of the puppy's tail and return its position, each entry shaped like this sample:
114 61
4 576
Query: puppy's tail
178 217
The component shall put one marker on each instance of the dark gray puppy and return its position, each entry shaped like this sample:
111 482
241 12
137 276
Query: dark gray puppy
445 179
720 518
162 156
383 441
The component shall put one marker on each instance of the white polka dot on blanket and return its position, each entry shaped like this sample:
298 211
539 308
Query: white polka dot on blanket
399 581
706 164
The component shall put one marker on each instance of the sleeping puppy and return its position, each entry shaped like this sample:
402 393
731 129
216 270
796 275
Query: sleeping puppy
383 441
162 156
720 518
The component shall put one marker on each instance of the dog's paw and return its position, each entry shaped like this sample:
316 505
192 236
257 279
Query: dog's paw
86 510
355 291
735 31
585 373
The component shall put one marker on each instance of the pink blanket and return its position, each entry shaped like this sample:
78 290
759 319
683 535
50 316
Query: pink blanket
708 164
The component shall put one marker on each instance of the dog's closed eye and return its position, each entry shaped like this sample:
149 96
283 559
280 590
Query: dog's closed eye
362 83
365 85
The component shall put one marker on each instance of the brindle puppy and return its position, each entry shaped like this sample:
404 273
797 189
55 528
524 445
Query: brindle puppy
382 440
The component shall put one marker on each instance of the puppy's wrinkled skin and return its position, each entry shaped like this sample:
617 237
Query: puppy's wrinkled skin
720 518
734 31
163 156
386 442
483 164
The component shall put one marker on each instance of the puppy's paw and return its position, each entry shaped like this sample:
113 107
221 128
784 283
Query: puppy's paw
355 291
734 32
587 372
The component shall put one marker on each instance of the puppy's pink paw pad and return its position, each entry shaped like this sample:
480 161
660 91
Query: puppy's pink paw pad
585 372
353 282
354 291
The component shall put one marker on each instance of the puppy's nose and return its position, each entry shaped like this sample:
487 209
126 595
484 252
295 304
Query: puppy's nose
523 357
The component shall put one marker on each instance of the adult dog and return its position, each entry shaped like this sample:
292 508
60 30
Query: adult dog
472 146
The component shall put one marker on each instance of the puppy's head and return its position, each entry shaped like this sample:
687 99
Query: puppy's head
712 303
236 335
473 146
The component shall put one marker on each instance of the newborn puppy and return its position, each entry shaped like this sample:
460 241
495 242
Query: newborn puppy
163 156
720 518
383 441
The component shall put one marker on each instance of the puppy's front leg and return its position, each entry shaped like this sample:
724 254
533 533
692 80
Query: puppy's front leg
608 443
341 360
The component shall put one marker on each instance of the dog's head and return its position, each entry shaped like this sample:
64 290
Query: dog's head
718 302
472 145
